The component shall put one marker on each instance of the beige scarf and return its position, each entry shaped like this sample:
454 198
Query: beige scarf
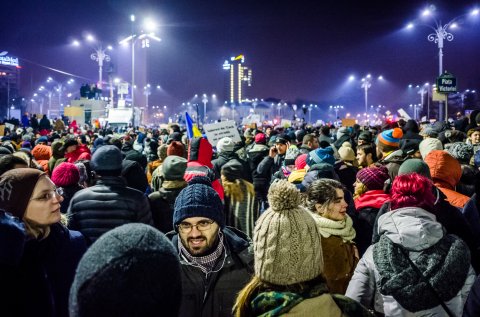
343 228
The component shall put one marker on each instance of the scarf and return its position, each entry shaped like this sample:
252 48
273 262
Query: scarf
205 263
446 265
270 304
372 198
343 228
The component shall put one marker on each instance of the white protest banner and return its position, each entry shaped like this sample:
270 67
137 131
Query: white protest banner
286 123
216 131
403 114
10 126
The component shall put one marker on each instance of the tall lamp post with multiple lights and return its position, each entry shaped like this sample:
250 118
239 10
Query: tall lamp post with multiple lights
440 35
145 38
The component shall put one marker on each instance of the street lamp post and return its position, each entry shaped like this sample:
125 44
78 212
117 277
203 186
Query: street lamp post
439 36
366 84
204 100
99 56
145 37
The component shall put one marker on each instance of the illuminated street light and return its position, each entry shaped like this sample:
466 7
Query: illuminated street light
133 38
366 84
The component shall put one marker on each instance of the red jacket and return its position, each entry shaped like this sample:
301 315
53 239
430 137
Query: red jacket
81 153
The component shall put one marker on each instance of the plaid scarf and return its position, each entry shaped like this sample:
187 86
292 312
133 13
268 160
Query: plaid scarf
205 263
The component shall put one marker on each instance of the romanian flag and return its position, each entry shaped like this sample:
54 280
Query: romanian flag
192 129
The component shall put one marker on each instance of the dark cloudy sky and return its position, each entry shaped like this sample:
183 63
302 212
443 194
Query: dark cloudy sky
297 49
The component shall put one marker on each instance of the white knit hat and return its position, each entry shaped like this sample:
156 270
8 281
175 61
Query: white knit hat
428 145
225 144
287 245
346 152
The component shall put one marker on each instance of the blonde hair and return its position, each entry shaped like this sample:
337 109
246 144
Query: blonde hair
38 231
236 190
359 190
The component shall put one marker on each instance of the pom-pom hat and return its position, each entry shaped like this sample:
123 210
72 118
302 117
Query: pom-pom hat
286 241
65 174
390 137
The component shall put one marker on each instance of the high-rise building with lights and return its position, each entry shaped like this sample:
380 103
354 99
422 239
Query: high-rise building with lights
238 80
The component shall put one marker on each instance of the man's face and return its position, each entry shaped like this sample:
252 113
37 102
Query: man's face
198 242
281 148
362 158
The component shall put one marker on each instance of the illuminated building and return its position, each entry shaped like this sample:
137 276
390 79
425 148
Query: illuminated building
238 80
9 81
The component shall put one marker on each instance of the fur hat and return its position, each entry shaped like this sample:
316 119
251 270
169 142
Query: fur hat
290 156
225 144
390 137
428 145
65 174
373 177
107 158
162 152
286 241
16 189
463 152
115 277
176 148
173 168
346 152
198 199
415 165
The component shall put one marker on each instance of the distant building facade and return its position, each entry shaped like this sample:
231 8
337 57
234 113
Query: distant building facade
238 79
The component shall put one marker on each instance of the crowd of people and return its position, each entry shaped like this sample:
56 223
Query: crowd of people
290 221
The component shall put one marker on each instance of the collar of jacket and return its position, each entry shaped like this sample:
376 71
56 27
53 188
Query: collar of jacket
111 180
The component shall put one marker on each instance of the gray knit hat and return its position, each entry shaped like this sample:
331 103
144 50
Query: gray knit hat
173 167
286 241
463 152
414 165
132 270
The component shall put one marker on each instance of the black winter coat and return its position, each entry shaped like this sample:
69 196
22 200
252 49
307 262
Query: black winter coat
224 157
214 296
39 285
105 206
162 203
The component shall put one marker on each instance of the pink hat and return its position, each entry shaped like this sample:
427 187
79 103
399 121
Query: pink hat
65 174
260 138
301 161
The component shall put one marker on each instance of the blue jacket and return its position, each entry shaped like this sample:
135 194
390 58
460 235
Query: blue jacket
39 283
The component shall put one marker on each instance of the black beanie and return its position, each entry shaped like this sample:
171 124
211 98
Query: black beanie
233 170
132 270
198 199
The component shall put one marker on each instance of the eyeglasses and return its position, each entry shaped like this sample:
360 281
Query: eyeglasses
49 195
202 225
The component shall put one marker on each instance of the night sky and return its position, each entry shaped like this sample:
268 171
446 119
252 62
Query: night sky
298 50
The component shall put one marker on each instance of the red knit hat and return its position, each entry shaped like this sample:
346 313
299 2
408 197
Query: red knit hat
373 177
301 161
260 138
65 174
176 148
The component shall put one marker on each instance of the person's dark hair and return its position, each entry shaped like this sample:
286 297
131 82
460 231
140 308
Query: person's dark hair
412 190
8 162
109 173
369 149
325 130
307 138
116 141
322 191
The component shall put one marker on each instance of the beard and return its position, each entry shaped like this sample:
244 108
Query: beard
200 245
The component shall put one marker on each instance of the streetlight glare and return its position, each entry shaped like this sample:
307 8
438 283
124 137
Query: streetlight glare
351 78
426 13
368 76
75 43
90 38
132 18
410 26
149 24
453 25
110 47
475 12
380 77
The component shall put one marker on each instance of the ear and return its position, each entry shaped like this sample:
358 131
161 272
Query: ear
319 208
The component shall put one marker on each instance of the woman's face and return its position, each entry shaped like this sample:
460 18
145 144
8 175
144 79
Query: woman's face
336 210
44 205
475 137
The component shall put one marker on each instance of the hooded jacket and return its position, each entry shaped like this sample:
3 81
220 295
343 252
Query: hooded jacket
200 154
42 154
384 276
81 153
446 173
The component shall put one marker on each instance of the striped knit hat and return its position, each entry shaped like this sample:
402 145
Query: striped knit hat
390 137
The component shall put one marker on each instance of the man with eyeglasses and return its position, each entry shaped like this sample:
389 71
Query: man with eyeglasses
216 261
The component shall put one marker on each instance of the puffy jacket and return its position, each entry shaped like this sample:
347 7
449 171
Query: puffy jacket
133 155
107 205
444 259
215 296
255 155
446 173
162 203
225 157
